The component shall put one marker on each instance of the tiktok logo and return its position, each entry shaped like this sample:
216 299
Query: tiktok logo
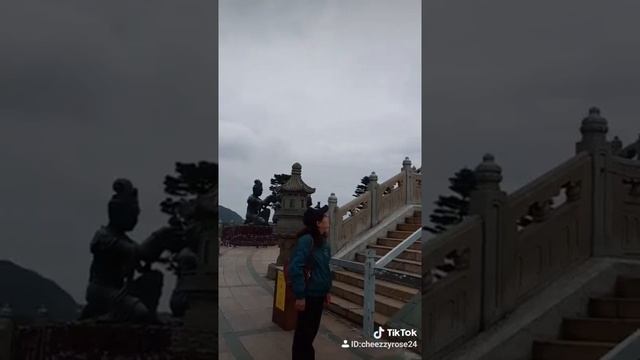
378 334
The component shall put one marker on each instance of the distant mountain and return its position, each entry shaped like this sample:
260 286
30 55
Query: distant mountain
25 291
228 216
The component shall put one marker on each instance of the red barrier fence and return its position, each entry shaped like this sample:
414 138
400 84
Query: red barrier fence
248 235
110 342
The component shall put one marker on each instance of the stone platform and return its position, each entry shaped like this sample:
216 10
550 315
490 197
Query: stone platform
245 309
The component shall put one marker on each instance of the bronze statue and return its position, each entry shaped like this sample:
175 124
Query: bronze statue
114 292
258 212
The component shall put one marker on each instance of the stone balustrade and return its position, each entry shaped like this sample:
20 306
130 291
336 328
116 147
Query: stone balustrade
515 244
373 206
451 303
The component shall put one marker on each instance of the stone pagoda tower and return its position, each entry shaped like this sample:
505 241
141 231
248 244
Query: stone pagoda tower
201 319
295 199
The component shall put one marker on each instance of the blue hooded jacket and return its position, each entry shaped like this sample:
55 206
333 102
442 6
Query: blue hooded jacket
319 284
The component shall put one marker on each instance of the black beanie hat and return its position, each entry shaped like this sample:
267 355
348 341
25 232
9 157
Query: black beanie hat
313 215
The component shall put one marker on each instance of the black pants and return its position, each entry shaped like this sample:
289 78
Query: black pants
307 328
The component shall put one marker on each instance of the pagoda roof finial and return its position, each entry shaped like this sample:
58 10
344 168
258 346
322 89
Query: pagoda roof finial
295 183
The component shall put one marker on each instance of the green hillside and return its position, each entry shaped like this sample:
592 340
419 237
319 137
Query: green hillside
228 216
25 291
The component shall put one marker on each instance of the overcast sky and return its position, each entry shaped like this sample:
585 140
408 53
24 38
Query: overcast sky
94 91
516 79
334 85
91 91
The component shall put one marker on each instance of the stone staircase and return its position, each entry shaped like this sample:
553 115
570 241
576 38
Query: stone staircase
610 321
348 286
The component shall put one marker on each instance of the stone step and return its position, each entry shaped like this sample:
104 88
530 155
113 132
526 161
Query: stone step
399 234
598 329
414 267
385 241
406 273
408 227
615 307
567 349
408 254
383 305
386 288
627 287
353 312
413 220
412 280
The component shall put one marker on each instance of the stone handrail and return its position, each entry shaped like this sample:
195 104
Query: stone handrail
549 183
547 228
355 217
369 269
355 206
399 249
374 205
622 212
392 195
629 152
587 206
628 349
451 289
528 225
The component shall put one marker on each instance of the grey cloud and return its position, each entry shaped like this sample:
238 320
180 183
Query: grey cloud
333 85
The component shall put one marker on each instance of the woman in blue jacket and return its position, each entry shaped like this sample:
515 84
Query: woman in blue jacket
310 279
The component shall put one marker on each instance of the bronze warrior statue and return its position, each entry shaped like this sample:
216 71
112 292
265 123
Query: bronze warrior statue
257 210
114 292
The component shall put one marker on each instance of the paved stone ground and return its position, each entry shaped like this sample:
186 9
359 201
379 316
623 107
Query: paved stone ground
245 308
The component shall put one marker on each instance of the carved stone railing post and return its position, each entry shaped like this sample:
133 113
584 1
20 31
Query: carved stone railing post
369 294
488 202
594 140
416 185
334 223
616 145
594 131
374 188
407 169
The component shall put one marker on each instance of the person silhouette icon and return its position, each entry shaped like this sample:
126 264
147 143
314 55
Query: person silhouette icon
345 344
